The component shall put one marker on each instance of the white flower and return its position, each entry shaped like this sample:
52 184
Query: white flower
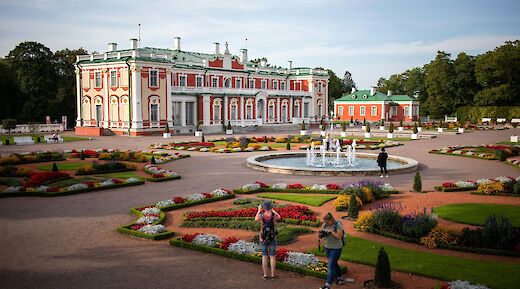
204 150
106 183
457 152
301 259
243 247
250 187
250 149
219 193
147 220
151 211
517 179
236 150
220 150
386 187
459 284
12 189
484 181
41 189
195 197
465 184
469 153
192 149
265 148
206 240
77 187
153 229
132 180
165 203
282 186
319 187
503 179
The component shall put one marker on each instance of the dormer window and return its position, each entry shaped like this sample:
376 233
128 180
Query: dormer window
353 96
365 96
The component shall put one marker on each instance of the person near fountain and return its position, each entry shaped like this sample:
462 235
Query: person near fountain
333 236
268 240
381 162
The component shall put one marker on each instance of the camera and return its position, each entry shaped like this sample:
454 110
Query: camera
323 233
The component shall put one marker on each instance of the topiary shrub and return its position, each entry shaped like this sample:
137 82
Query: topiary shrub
415 130
203 139
288 146
391 128
343 126
351 119
368 127
82 155
383 274
401 123
54 167
167 128
364 121
303 126
153 160
501 155
417 182
353 208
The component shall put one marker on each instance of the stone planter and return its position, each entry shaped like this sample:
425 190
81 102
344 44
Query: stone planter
419 129
323 133
303 132
229 131
390 135
198 133
440 129
368 135
166 135
415 136
382 128
514 138
400 128
460 130
343 134
351 124
363 127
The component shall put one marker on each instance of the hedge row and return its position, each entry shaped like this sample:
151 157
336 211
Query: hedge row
64 193
297 191
456 189
476 113
156 180
249 258
503 195
286 221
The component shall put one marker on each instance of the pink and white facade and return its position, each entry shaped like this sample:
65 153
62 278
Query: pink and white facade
139 90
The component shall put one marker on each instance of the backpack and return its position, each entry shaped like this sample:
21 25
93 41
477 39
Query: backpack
343 237
268 232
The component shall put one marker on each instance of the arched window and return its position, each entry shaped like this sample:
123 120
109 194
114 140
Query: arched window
373 111
114 110
217 109
233 107
124 109
320 108
297 108
284 110
249 109
98 104
86 108
227 83
270 110
154 109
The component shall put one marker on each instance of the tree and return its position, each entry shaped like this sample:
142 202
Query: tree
10 95
417 182
348 82
353 207
465 82
382 276
54 167
9 124
439 82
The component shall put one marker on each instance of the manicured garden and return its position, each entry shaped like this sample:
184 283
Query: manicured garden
502 186
485 152
38 138
311 200
476 214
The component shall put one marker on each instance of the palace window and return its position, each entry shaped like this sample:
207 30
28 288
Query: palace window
238 83
182 80
264 84
97 79
320 87
113 78
270 109
297 108
234 109
249 109
154 78
340 111
351 110
282 85
320 108
154 112
251 83
406 110
199 81
373 111
275 84
190 113
227 83
216 109
214 82
362 110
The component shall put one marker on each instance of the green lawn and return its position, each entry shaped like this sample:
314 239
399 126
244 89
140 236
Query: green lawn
10 181
311 200
73 138
121 175
64 166
476 214
3 138
492 274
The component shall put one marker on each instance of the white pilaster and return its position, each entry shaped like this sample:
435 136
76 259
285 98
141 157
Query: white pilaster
137 114
106 105
291 108
78 97
169 102
279 110
183 113
206 102
411 111
242 109
225 118
383 110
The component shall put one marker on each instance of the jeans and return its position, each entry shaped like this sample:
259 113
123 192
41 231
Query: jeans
334 271
268 248
383 168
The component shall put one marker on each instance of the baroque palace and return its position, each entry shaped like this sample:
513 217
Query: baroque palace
138 91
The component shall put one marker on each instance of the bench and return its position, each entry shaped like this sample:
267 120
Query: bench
486 119
49 139
23 140
515 120
501 120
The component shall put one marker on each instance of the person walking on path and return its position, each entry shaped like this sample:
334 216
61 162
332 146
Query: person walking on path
268 218
333 236
381 162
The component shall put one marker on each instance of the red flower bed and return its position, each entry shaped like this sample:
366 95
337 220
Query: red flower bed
90 184
179 200
449 185
137 226
262 185
90 154
53 189
193 144
299 213
228 241
117 181
295 186
497 147
38 179
157 176
189 237
333 187
208 195
281 254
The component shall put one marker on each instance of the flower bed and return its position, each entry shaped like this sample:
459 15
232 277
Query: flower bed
259 187
210 147
365 144
104 168
35 157
87 186
160 175
298 215
485 152
502 186
151 217
128 155
460 284
302 263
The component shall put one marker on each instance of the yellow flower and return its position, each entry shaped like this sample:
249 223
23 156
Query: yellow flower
364 221
440 236
368 193
492 188
343 201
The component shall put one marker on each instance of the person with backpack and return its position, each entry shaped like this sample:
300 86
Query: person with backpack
333 236
268 218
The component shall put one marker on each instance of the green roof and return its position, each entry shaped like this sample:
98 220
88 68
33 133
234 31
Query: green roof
364 95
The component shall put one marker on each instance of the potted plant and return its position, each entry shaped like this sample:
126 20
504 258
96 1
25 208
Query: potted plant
400 128
382 125
441 127
323 128
419 125
198 131
351 121
343 129
367 131
229 130
390 133
514 138
364 126
303 130
166 133
460 128
415 133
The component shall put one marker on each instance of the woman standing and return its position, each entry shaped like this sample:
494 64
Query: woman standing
333 237
268 218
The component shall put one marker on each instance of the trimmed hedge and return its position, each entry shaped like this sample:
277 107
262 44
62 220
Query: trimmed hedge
476 113
249 258
456 189
503 195
297 191
157 180
64 193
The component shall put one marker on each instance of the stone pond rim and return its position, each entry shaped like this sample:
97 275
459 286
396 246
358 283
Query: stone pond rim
256 162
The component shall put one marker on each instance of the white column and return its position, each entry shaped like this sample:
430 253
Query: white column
242 110
137 115
418 115
206 101
78 97
106 105
411 111
183 113
226 101
169 102
383 111
279 109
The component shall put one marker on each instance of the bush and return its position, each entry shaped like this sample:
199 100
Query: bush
418 225
492 188
417 182
387 218
476 113
382 275
342 202
101 168
153 160
288 146
471 238
391 127
54 167
365 221
501 155
353 208
499 233
516 188
440 236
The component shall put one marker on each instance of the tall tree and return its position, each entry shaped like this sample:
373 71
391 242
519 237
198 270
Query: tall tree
439 82
348 81
10 96
465 82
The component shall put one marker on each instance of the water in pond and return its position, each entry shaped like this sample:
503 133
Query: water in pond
360 163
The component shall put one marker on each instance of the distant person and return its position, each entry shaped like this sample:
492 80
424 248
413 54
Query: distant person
333 236
268 240
55 137
381 162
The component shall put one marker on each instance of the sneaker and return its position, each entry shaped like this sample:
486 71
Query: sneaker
381 176
340 281
326 286
387 176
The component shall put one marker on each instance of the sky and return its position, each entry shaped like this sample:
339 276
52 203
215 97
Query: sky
369 38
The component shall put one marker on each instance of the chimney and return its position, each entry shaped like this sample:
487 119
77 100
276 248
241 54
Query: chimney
353 90
112 47
133 43
177 43
243 55
372 90
389 93
217 48
289 65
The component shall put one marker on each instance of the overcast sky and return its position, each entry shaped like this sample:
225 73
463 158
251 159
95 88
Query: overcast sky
369 38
